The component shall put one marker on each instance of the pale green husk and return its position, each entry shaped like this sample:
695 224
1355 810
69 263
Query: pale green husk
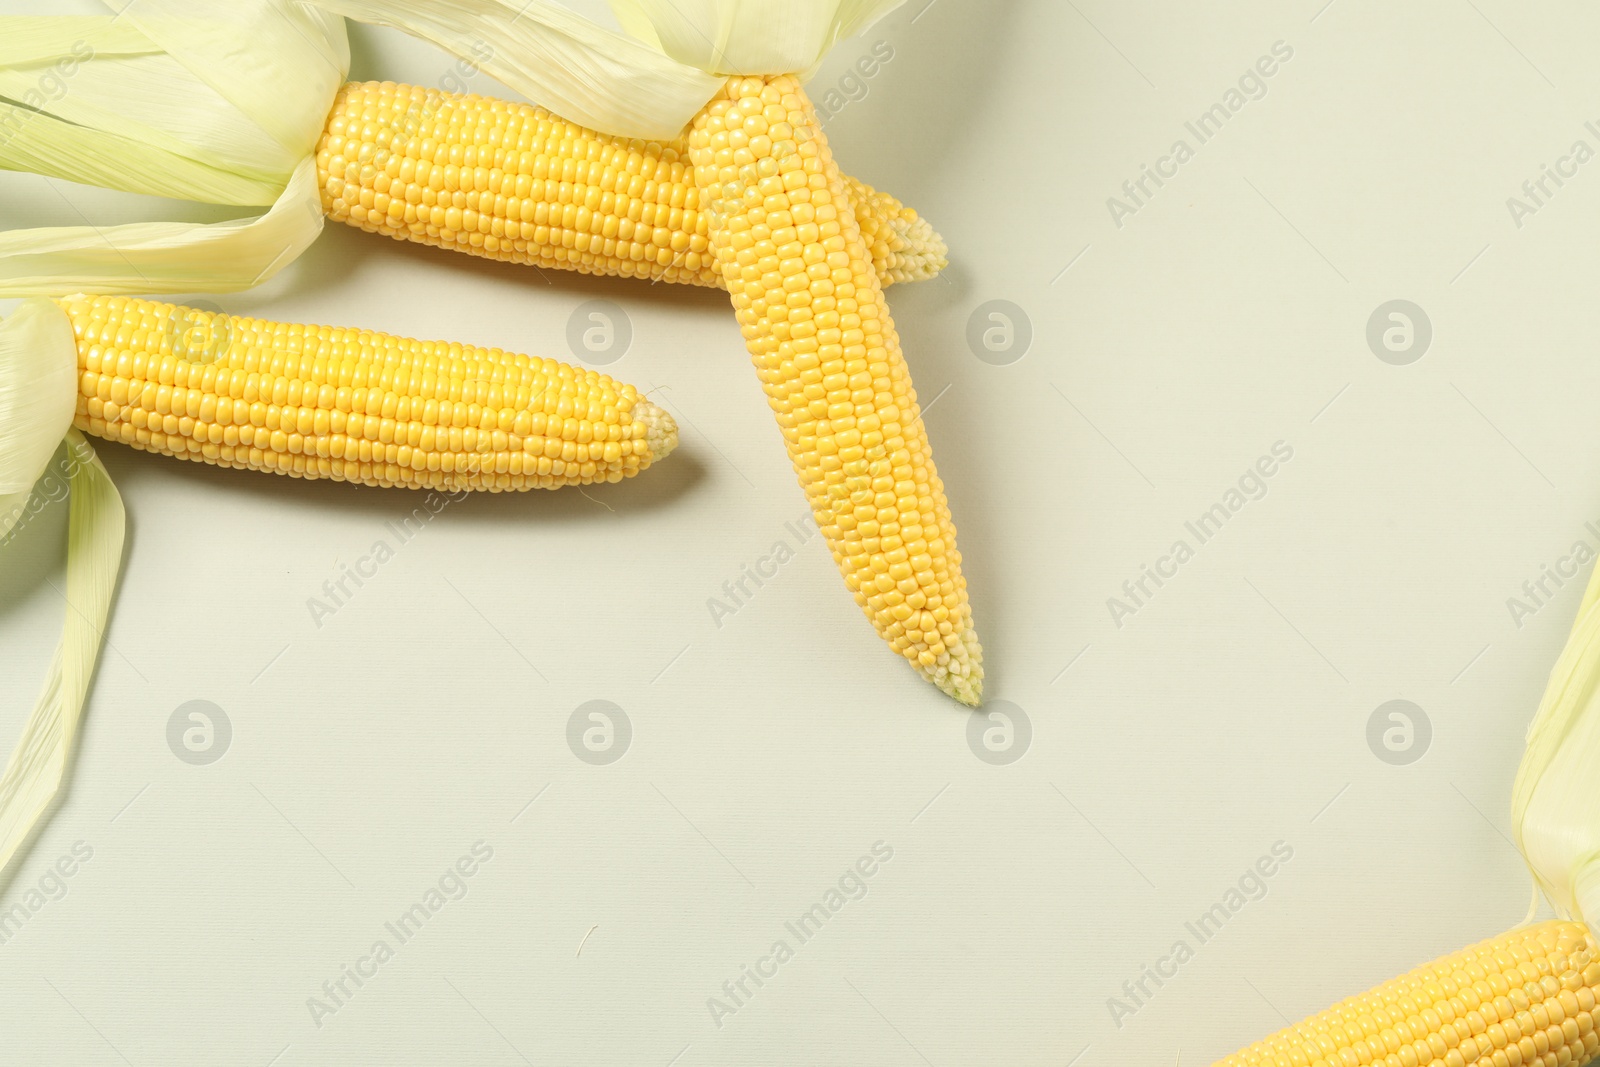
748 36
164 257
189 99
95 526
556 58
38 394
649 84
215 102
1555 805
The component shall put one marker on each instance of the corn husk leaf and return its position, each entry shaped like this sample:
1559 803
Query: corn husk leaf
1555 807
38 393
164 257
217 103
278 64
95 527
556 58
748 36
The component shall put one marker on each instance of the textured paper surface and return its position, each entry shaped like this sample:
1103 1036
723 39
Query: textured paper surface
1230 711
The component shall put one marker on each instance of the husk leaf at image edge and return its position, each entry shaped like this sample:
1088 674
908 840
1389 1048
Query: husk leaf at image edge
38 395
556 58
122 113
649 83
164 257
748 36
38 764
215 103
1555 804
38 392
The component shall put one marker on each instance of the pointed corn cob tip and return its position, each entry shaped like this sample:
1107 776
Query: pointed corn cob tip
960 675
905 246
922 253
660 430
968 691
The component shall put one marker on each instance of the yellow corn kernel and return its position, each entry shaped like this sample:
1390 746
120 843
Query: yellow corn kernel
512 182
350 404
812 312
1524 999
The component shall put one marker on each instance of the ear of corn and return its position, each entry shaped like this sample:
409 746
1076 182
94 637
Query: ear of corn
1522 999
511 182
352 405
785 237
1529 997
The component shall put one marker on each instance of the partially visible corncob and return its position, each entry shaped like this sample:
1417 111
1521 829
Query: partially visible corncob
1527 997
352 405
904 247
512 182
811 308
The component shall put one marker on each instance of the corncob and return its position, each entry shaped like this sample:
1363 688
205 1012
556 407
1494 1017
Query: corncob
904 247
512 182
1526 997
811 308
351 405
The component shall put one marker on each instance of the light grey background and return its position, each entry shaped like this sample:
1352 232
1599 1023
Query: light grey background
1230 712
